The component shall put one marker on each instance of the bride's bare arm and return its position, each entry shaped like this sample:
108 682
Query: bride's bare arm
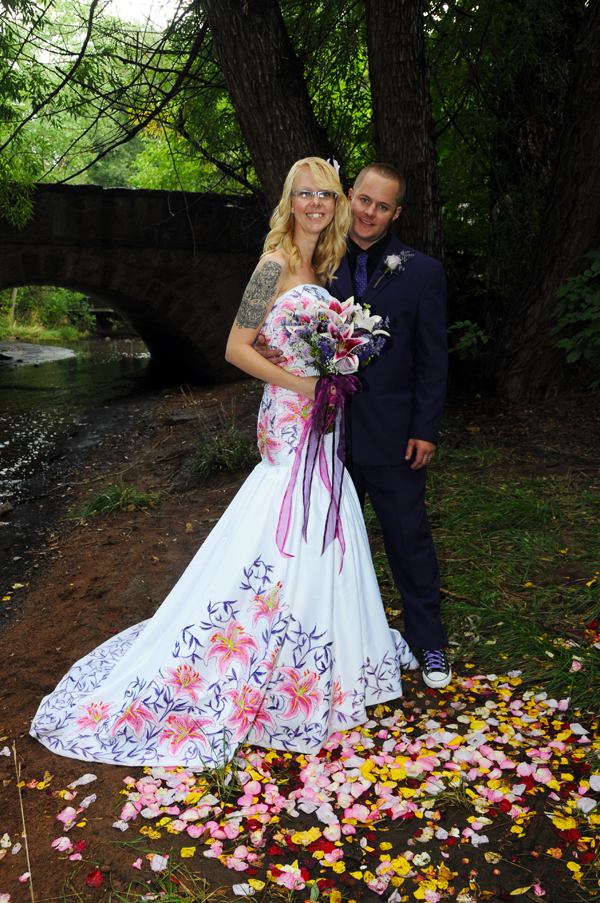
261 292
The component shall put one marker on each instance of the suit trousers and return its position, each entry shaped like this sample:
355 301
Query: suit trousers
397 494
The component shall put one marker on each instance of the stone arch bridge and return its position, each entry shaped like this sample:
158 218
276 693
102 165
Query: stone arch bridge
173 264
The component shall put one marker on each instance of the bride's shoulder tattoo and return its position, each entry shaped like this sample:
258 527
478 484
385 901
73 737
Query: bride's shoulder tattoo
258 295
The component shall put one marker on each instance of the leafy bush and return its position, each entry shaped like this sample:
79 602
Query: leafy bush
579 309
47 307
468 340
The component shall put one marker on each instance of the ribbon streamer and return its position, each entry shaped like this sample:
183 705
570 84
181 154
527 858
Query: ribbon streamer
327 416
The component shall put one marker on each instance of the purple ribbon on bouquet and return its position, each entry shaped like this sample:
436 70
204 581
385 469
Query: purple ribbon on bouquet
327 415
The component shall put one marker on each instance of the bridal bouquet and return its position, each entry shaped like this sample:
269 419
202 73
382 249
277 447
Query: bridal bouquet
337 337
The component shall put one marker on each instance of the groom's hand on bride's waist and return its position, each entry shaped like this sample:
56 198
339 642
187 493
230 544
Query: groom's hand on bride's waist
271 354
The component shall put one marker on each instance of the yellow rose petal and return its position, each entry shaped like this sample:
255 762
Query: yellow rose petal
187 852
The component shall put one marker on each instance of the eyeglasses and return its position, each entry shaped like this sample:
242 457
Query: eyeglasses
305 195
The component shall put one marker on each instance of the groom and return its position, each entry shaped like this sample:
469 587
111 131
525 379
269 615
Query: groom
393 424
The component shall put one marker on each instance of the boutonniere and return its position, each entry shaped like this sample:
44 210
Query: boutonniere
394 264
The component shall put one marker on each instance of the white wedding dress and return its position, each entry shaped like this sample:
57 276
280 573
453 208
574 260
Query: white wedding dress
251 645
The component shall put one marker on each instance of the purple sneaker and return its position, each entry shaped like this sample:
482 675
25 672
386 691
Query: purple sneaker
437 672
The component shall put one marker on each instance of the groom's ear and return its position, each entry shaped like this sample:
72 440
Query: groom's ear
397 213
350 193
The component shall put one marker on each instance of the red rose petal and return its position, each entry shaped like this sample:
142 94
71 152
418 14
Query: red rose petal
94 879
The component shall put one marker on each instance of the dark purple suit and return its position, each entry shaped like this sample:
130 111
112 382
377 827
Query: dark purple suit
403 397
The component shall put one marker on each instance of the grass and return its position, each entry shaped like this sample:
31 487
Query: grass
227 452
177 885
34 331
520 562
116 497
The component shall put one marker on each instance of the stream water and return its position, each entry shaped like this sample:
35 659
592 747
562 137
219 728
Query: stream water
37 402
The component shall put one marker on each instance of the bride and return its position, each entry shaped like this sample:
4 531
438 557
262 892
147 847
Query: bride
265 639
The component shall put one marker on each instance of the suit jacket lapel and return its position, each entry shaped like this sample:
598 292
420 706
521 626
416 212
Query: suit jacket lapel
342 286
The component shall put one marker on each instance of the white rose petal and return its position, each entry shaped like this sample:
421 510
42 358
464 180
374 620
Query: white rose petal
85 779
578 729
586 805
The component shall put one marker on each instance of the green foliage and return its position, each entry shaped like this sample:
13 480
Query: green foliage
16 195
499 72
227 452
116 497
168 162
117 168
579 312
331 40
468 340
49 307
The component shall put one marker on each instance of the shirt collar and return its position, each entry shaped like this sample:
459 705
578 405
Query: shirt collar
375 251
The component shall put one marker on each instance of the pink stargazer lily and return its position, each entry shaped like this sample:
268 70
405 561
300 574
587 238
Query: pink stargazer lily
135 715
337 697
185 680
267 445
95 714
248 713
293 409
181 729
232 643
268 604
302 691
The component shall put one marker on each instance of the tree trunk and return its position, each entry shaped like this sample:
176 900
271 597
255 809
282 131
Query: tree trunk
266 85
13 302
402 117
529 364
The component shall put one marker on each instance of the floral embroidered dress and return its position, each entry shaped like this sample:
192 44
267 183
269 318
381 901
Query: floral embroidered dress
251 645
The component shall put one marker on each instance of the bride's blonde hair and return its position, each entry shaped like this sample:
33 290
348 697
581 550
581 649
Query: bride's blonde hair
331 245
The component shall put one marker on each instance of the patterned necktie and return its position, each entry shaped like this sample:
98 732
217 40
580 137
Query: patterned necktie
359 277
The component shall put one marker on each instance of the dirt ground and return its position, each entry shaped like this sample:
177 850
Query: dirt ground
68 586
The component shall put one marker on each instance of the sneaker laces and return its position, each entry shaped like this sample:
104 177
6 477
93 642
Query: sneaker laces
435 660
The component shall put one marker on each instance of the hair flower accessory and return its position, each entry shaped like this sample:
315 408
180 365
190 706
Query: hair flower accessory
394 263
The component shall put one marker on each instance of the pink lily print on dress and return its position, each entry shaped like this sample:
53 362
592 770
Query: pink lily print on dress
95 714
135 715
232 643
268 604
185 680
269 663
181 729
302 691
267 445
337 697
248 713
294 409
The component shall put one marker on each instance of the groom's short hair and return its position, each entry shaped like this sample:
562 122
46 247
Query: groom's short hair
388 172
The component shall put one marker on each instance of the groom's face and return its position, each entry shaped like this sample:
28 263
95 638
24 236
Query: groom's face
374 205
